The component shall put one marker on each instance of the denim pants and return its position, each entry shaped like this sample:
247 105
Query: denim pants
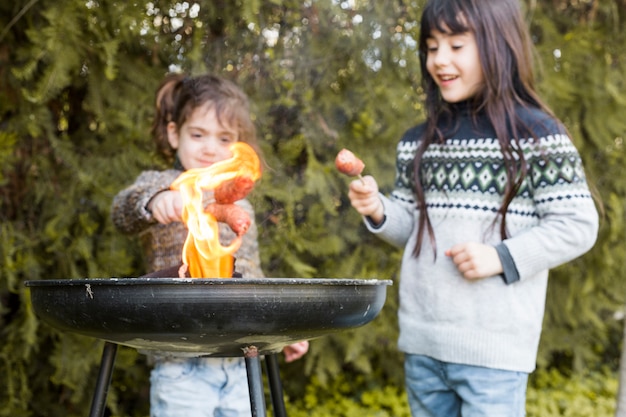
442 389
199 387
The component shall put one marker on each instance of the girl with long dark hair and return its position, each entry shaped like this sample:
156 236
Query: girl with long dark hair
490 193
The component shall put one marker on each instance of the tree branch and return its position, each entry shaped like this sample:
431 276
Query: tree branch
16 18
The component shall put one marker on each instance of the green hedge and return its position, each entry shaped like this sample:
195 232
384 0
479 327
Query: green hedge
550 394
588 394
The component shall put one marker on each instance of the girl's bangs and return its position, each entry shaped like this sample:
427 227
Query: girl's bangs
445 17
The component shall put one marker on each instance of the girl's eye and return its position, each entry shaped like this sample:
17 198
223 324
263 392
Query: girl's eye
431 43
457 47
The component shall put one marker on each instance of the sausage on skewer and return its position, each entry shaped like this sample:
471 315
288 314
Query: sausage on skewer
348 163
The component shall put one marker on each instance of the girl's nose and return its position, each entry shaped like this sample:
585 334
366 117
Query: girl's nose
209 146
441 57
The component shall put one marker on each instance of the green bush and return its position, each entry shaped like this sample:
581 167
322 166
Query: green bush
550 394
342 397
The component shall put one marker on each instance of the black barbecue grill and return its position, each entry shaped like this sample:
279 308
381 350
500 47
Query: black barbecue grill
231 317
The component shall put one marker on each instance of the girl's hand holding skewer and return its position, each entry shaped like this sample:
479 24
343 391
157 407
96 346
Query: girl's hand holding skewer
363 193
365 198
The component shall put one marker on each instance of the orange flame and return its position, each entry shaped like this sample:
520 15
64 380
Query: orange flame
203 254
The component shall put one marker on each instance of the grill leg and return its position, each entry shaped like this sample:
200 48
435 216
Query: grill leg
255 381
104 379
276 387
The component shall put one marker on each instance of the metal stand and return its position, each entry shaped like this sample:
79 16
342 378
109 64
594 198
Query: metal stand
253 368
255 381
104 380
276 387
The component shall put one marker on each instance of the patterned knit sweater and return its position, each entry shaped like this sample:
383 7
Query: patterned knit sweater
551 220
162 244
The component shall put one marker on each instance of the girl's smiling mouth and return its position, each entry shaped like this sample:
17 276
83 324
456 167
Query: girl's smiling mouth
446 80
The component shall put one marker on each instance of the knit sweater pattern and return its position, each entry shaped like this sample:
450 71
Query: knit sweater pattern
551 220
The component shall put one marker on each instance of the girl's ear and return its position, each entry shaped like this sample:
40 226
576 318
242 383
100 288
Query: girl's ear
172 135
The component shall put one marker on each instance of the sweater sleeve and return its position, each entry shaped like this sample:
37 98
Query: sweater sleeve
568 219
509 273
397 225
128 211
399 207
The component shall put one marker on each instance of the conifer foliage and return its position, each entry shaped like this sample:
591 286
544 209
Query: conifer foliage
77 81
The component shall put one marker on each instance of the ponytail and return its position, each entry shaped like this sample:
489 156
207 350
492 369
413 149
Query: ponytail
165 105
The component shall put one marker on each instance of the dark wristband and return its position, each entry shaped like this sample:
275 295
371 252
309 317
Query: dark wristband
510 273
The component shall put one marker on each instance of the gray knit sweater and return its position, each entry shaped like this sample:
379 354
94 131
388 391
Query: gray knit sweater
552 220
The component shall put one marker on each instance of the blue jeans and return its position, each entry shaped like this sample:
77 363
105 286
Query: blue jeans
442 389
199 387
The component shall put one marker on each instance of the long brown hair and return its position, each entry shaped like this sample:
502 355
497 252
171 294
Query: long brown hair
506 58
179 95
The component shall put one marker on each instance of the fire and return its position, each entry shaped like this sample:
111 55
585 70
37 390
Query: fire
203 255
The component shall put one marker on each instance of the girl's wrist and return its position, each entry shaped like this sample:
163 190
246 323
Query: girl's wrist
378 216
